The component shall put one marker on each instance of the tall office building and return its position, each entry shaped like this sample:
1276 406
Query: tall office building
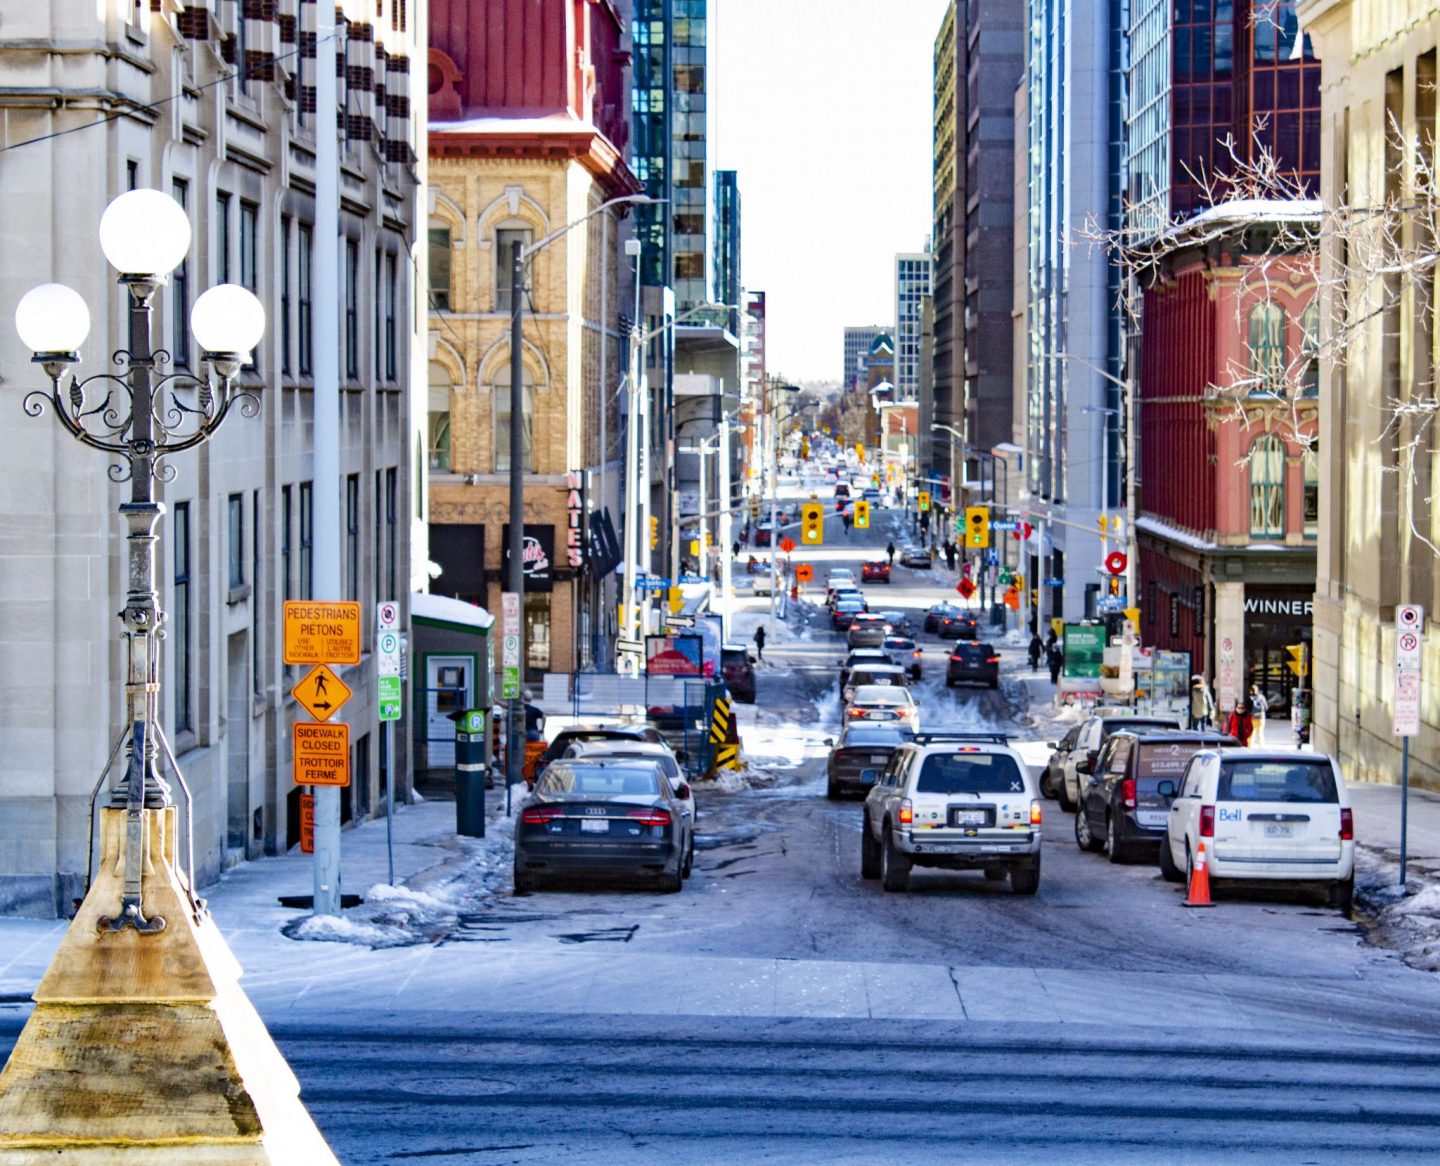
912 285
670 145
1069 379
858 339
728 284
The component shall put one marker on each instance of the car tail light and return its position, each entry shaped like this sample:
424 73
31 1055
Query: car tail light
1036 813
907 812
1127 793
538 815
649 817
855 712
916 653
992 659
1207 821
1347 824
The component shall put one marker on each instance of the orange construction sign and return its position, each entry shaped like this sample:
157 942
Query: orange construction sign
322 633
321 693
804 572
322 754
307 823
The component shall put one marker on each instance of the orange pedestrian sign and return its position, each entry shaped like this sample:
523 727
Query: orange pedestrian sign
321 693
322 633
804 572
322 754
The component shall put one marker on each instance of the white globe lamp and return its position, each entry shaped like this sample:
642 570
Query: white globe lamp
144 232
228 320
52 320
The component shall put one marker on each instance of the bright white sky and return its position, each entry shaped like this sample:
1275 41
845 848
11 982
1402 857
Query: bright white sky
824 108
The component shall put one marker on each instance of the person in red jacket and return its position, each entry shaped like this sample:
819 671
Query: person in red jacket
1240 725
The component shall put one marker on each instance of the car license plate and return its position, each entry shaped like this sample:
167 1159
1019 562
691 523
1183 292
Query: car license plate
1151 817
595 825
968 817
1278 830
879 758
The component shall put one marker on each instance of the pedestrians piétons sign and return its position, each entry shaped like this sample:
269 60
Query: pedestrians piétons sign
322 633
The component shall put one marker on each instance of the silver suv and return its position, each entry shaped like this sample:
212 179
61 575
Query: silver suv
955 801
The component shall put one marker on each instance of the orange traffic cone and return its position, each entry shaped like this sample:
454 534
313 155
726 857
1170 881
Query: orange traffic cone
1198 894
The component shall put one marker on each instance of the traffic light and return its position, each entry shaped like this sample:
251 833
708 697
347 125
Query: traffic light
923 501
1020 581
1114 585
862 515
1299 662
812 524
654 532
977 526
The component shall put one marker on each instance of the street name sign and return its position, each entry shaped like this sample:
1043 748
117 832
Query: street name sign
321 693
322 633
322 754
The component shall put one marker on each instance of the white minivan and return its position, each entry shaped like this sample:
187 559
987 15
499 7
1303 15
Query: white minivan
1276 816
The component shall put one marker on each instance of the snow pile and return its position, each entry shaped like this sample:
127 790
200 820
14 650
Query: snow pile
1409 923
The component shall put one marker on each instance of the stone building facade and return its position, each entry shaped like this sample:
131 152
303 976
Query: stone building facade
213 104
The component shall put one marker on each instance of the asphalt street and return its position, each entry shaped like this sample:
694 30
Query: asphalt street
782 1009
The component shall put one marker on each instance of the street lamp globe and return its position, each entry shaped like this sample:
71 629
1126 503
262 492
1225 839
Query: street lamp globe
228 319
144 232
52 319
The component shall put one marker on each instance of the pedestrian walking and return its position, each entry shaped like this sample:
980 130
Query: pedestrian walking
1056 659
847 519
950 554
534 718
1037 649
1202 704
760 643
735 550
1257 711
890 552
1240 726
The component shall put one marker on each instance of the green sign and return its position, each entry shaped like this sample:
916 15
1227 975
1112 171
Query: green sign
510 682
1084 650
473 722
390 698
1006 576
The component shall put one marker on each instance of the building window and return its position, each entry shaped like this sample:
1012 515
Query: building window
352 309
249 245
236 528
287 534
392 488
181 620
285 276
440 268
1310 491
1310 350
505 240
222 237
500 391
352 536
180 290
307 540
255 645
1267 348
439 453
537 633
307 234
1151 601
392 346
1267 487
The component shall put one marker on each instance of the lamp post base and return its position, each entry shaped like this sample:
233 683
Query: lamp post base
142 1047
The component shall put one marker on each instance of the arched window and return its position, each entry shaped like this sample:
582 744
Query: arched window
1267 348
500 394
1310 498
438 451
1310 350
1267 487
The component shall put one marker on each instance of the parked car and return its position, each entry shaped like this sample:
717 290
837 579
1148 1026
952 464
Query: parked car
957 803
876 572
859 656
660 755
935 613
867 630
602 819
871 495
860 757
973 663
844 591
1122 810
738 668
885 703
616 732
843 612
871 672
918 557
842 490
904 653
1093 732
1052 777
1265 816
959 625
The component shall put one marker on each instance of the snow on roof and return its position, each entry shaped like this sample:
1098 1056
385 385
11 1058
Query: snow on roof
1242 211
561 123
446 610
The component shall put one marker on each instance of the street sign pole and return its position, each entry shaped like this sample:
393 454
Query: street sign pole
387 656
1409 629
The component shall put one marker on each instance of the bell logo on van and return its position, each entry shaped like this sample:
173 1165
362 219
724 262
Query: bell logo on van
1236 815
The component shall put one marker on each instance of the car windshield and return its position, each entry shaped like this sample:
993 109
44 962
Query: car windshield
595 780
1277 781
736 657
970 773
1138 724
850 605
876 737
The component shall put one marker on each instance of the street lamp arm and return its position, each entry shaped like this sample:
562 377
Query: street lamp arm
1114 380
541 244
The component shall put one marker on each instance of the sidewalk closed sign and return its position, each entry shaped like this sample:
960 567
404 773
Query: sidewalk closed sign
322 754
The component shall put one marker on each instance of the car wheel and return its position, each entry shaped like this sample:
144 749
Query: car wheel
1047 785
949 683
995 874
995 683
1084 838
672 883
1025 880
524 884
1168 870
1342 895
894 866
869 853
689 866
1117 851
